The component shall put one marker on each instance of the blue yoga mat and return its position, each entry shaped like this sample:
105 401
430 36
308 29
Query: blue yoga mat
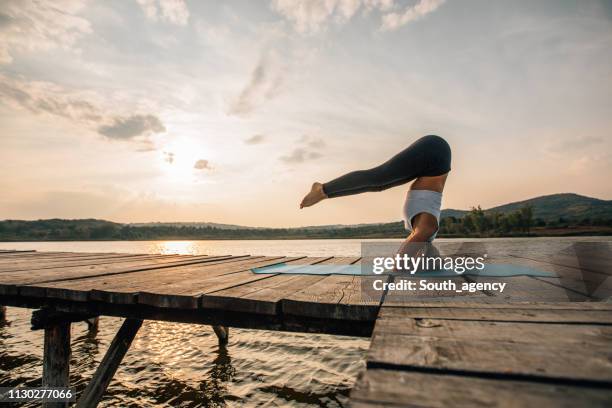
493 270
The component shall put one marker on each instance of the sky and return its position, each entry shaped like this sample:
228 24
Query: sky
173 110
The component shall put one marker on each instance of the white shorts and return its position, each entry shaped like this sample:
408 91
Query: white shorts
422 201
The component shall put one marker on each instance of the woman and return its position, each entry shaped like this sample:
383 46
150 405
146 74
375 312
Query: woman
427 161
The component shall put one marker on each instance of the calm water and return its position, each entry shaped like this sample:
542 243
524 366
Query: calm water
181 365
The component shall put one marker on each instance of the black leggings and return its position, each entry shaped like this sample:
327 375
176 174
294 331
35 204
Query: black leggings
428 156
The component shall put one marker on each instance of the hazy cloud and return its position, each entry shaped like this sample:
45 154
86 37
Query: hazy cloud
171 11
300 155
202 165
574 144
255 139
41 97
308 149
27 26
392 21
310 16
169 157
312 142
129 127
265 82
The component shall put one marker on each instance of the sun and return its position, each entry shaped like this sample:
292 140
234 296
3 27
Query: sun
178 159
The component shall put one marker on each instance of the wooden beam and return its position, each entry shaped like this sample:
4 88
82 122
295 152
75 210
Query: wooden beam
2 313
222 333
48 317
107 368
56 359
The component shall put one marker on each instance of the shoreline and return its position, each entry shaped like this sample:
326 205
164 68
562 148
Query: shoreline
293 238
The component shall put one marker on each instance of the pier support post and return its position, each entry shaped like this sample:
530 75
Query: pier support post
56 359
92 324
2 313
107 368
222 333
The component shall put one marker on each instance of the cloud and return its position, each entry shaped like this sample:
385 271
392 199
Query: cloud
129 127
312 16
169 157
82 108
312 142
171 11
394 20
300 155
309 16
28 26
308 149
255 139
202 165
266 80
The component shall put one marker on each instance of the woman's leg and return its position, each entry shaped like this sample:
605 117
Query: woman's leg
428 156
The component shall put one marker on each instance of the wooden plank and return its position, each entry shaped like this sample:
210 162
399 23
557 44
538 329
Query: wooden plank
524 314
188 293
37 264
495 304
336 297
9 280
494 349
79 289
13 251
56 359
264 296
395 320
377 388
108 366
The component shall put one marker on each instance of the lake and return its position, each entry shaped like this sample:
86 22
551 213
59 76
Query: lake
173 364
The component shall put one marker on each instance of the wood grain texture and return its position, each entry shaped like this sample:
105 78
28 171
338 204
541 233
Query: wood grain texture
522 313
561 351
382 388
127 282
10 280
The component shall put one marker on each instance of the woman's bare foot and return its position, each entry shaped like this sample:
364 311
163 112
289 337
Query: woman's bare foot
316 194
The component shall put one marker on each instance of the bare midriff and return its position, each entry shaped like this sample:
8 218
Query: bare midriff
435 183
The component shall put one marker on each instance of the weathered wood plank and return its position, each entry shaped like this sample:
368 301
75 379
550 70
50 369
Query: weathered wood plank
494 349
79 289
108 366
378 388
38 264
489 303
524 314
336 297
9 280
394 320
188 293
264 295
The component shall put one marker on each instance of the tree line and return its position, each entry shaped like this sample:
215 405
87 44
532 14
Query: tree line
475 223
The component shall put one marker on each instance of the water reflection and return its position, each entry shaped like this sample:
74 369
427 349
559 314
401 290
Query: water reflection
175 247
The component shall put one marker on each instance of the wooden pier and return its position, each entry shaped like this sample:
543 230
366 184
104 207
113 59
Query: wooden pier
543 341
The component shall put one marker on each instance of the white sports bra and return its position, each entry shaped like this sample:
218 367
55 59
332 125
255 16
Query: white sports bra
419 201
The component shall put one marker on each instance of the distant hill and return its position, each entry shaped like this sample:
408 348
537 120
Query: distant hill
190 224
557 211
552 207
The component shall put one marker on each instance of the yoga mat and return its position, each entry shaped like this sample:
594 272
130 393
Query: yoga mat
492 270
